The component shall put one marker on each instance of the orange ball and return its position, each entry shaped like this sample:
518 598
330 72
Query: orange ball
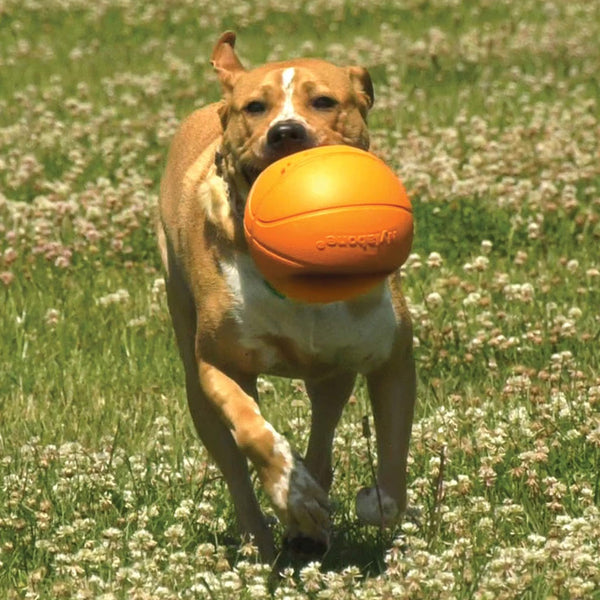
328 224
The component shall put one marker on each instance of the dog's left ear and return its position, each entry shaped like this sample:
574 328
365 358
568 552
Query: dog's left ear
361 80
225 61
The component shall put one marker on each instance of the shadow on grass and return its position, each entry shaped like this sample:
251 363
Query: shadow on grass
350 546
362 547
356 546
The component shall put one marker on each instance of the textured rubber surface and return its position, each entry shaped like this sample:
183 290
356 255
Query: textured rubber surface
330 211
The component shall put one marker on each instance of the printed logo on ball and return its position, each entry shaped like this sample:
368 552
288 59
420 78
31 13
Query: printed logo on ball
365 241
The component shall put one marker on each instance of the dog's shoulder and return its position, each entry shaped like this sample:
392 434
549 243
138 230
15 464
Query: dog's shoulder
198 130
192 142
191 190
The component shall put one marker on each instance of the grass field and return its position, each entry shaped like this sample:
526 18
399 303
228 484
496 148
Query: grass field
489 112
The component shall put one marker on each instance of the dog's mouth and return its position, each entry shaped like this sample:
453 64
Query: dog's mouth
251 173
282 139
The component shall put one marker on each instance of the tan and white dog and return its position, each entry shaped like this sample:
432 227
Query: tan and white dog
231 327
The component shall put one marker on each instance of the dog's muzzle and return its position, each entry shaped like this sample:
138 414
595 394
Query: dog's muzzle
282 139
287 137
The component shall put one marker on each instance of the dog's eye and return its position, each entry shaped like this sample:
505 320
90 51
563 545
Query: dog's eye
256 107
323 102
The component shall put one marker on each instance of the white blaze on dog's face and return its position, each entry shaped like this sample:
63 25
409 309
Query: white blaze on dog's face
288 111
281 108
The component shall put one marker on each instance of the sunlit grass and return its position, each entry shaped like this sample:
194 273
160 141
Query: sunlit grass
489 112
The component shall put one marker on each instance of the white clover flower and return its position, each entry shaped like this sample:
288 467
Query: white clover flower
413 261
112 533
52 317
568 328
10 255
533 231
481 263
205 512
435 260
258 591
573 265
142 539
138 321
521 257
409 527
311 576
158 286
524 292
472 299
527 292
119 297
185 509
593 437
230 582
434 299
162 425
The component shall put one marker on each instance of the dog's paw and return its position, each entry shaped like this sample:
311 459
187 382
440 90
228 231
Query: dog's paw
307 507
299 501
375 508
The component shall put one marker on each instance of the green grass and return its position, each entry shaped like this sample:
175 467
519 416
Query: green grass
488 111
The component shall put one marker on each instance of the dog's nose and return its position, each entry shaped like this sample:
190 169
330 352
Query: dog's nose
287 134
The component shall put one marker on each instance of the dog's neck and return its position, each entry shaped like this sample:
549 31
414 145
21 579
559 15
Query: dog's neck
238 188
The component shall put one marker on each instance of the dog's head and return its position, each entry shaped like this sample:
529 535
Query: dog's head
284 107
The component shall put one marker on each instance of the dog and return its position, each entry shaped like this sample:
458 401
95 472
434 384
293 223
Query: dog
229 325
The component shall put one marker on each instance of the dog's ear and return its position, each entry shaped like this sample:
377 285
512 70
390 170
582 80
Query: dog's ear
361 80
225 61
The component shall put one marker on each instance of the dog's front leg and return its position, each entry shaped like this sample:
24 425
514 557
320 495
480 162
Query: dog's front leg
297 498
392 393
328 397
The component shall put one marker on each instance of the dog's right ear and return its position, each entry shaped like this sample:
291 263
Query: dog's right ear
225 61
361 80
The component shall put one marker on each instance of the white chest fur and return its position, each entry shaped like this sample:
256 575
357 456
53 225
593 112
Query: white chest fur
356 336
